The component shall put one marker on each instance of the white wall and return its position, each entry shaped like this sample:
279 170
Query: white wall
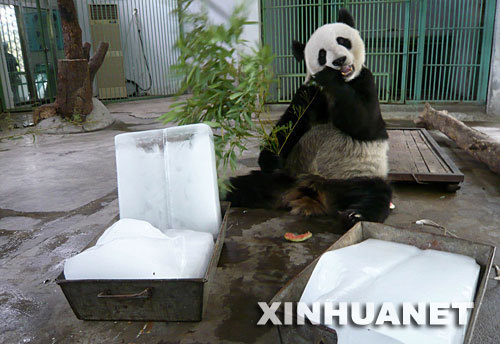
220 10
159 30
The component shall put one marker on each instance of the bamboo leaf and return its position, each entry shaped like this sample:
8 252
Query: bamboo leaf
227 88
212 124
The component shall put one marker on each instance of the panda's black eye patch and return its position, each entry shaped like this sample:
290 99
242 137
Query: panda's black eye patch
344 42
322 57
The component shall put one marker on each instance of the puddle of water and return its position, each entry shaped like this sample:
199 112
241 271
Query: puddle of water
120 126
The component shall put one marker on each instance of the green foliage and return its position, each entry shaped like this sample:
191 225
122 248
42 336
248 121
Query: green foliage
228 82
76 119
271 141
228 87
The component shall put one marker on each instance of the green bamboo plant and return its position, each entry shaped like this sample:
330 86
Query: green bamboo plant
227 80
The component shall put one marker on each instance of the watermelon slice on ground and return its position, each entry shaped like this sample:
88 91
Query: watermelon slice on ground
297 237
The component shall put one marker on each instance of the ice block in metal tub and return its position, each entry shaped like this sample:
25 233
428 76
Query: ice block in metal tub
181 299
315 334
168 177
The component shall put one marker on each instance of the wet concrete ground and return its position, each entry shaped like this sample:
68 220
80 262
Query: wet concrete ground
58 192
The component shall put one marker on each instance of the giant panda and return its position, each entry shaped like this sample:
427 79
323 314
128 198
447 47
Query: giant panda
334 162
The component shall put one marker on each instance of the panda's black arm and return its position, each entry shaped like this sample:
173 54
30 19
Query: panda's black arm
355 108
298 117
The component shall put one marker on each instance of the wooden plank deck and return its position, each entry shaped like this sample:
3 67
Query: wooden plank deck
416 157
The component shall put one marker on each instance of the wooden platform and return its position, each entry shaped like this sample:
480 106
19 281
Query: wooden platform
415 156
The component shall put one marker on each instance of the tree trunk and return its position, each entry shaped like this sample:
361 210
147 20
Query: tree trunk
72 34
479 145
86 50
96 61
75 73
74 91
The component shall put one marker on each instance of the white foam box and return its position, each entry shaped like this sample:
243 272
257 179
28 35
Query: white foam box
180 299
315 334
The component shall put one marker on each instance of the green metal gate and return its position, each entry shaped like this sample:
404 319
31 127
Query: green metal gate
141 33
418 50
30 44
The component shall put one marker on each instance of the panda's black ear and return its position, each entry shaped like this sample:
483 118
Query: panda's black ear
345 17
298 50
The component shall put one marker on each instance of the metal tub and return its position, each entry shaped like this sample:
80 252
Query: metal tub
320 334
144 300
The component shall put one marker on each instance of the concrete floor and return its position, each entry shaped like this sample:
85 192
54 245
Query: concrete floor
57 192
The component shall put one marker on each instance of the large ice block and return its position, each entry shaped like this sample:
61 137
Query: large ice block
381 271
168 177
129 228
132 249
340 271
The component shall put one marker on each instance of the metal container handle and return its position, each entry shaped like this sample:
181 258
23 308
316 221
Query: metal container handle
145 294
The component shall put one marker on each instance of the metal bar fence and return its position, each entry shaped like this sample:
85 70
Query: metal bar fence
27 60
141 34
418 50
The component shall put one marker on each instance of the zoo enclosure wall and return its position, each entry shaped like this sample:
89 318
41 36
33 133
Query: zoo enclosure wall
418 50
141 33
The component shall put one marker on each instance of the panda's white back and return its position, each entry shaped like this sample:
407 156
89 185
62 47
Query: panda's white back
326 151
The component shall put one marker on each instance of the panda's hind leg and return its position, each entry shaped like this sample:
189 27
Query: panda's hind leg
362 199
307 197
353 200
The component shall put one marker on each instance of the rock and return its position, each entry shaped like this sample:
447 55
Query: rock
56 125
98 119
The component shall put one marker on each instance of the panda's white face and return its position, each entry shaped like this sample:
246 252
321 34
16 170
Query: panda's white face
338 46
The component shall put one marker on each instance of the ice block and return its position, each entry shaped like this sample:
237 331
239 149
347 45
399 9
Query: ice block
380 271
132 249
340 271
129 228
168 178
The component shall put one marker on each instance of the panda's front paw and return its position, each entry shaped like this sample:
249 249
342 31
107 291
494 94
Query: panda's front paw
328 76
350 217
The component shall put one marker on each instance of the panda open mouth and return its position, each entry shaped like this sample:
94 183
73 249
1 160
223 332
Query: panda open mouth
347 70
